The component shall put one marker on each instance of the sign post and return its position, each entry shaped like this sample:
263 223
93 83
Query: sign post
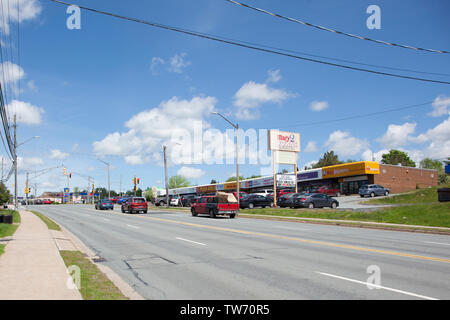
284 146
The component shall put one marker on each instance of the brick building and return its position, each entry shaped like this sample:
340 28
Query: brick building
402 179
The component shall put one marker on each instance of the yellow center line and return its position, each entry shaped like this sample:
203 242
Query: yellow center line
323 243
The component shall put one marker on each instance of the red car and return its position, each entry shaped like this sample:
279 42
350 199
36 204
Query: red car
135 204
282 192
210 205
329 191
47 201
114 200
241 194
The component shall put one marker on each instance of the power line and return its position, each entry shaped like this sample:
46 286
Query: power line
240 44
335 31
306 124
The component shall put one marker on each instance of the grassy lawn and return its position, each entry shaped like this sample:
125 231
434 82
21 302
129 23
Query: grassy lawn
94 284
427 195
436 215
2 248
50 223
7 230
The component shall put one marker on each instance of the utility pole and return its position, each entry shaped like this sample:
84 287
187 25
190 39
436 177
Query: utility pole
109 185
15 162
120 189
26 193
2 168
165 174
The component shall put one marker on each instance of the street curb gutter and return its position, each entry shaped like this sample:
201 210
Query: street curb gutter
123 286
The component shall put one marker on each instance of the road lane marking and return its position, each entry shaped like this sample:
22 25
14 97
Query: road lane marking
324 243
444 244
191 241
131 226
378 286
106 219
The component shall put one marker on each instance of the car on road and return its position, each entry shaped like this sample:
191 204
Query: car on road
214 206
104 204
115 199
135 204
373 190
255 200
329 191
122 200
314 200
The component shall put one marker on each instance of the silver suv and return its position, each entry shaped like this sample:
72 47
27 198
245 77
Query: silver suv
373 190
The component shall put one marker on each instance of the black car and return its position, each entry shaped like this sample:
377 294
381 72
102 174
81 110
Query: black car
38 201
255 200
188 199
285 200
314 200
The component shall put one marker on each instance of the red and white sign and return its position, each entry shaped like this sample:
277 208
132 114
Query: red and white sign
284 141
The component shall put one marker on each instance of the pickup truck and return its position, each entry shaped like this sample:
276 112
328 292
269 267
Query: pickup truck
215 206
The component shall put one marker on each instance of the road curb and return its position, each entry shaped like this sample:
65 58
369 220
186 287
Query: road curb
123 286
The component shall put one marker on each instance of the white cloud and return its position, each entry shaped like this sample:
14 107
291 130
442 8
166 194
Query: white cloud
177 63
75 147
252 95
311 147
344 144
438 139
12 71
32 86
58 155
28 164
155 62
274 76
25 112
190 173
441 106
318 105
134 159
29 9
369 155
397 136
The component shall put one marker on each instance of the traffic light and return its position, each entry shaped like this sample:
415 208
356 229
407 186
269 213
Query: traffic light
65 171
70 175
137 180
27 190
134 181
93 188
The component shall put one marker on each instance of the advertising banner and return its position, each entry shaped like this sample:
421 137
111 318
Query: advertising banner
286 180
284 141
351 169
285 157
308 175
206 189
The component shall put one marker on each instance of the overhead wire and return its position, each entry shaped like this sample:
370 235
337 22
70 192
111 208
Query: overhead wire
335 31
240 44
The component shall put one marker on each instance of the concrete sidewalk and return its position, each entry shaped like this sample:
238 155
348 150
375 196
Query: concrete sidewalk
31 267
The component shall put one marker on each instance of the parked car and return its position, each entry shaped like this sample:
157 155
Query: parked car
38 201
115 199
282 192
327 190
47 201
255 200
373 190
314 200
188 199
104 204
264 192
135 204
23 202
175 201
212 206
286 199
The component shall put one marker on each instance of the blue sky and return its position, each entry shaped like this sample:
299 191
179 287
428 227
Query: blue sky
118 90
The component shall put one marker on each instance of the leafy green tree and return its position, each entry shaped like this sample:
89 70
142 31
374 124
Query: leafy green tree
395 157
254 177
429 163
4 194
178 181
149 194
329 158
233 178
213 181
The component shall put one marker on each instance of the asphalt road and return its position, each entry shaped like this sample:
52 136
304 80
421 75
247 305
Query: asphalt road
172 255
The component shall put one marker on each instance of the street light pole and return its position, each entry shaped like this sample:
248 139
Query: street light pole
15 164
109 185
165 174
236 126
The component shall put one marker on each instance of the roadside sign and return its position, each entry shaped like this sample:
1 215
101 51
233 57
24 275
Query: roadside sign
66 190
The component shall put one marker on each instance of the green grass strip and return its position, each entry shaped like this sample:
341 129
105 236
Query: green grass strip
94 284
434 215
7 230
2 248
50 223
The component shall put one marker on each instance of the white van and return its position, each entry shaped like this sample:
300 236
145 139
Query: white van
264 192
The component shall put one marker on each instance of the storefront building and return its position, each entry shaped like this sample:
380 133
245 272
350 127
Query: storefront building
347 177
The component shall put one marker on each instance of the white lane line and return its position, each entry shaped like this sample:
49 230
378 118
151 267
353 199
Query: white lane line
131 226
191 241
290 228
378 287
444 244
106 219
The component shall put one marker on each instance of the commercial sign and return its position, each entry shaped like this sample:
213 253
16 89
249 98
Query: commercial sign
286 157
284 141
206 189
286 180
307 175
256 183
351 169
220 187
184 190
